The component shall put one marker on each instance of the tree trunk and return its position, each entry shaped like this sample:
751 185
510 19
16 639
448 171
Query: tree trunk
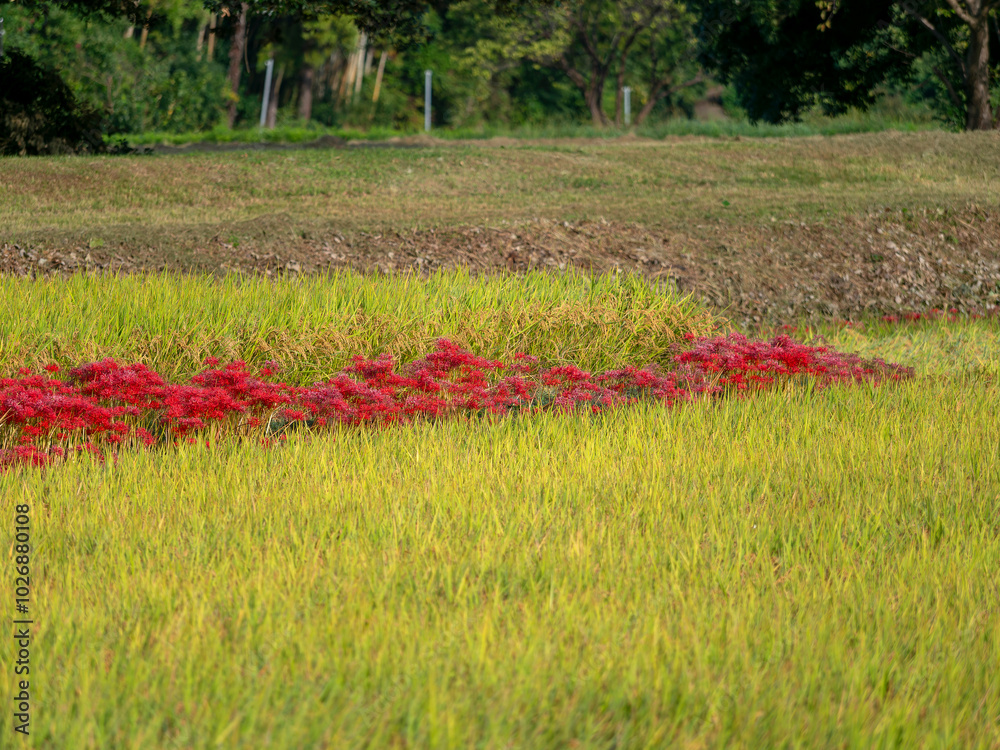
360 72
210 54
592 89
347 84
646 109
593 97
236 61
979 113
272 102
378 77
306 93
662 89
593 94
145 31
201 39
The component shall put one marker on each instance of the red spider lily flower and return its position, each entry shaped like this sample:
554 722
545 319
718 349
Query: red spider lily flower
103 401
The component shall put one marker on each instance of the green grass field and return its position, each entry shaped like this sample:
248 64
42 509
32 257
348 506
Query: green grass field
678 183
801 569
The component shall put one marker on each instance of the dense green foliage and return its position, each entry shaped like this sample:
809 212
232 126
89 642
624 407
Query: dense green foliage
782 62
168 72
39 114
162 66
787 56
155 84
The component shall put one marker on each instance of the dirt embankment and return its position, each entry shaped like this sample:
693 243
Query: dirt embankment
770 272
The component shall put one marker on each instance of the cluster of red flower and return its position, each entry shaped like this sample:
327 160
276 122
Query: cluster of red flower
103 405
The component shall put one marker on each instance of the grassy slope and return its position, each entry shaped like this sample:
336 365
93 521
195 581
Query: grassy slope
801 570
677 183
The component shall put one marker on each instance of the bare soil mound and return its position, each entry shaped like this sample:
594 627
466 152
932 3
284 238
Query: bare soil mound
771 272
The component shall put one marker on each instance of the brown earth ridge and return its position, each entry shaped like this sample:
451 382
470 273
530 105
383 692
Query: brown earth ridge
767 273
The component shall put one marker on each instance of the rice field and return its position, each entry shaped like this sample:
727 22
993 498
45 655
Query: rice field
315 324
801 568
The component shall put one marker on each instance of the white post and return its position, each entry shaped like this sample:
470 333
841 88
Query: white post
2 32
267 91
427 101
628 106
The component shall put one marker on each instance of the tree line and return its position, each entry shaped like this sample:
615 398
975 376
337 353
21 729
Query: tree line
178 65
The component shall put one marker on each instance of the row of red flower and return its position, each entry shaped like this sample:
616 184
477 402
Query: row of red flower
103 405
